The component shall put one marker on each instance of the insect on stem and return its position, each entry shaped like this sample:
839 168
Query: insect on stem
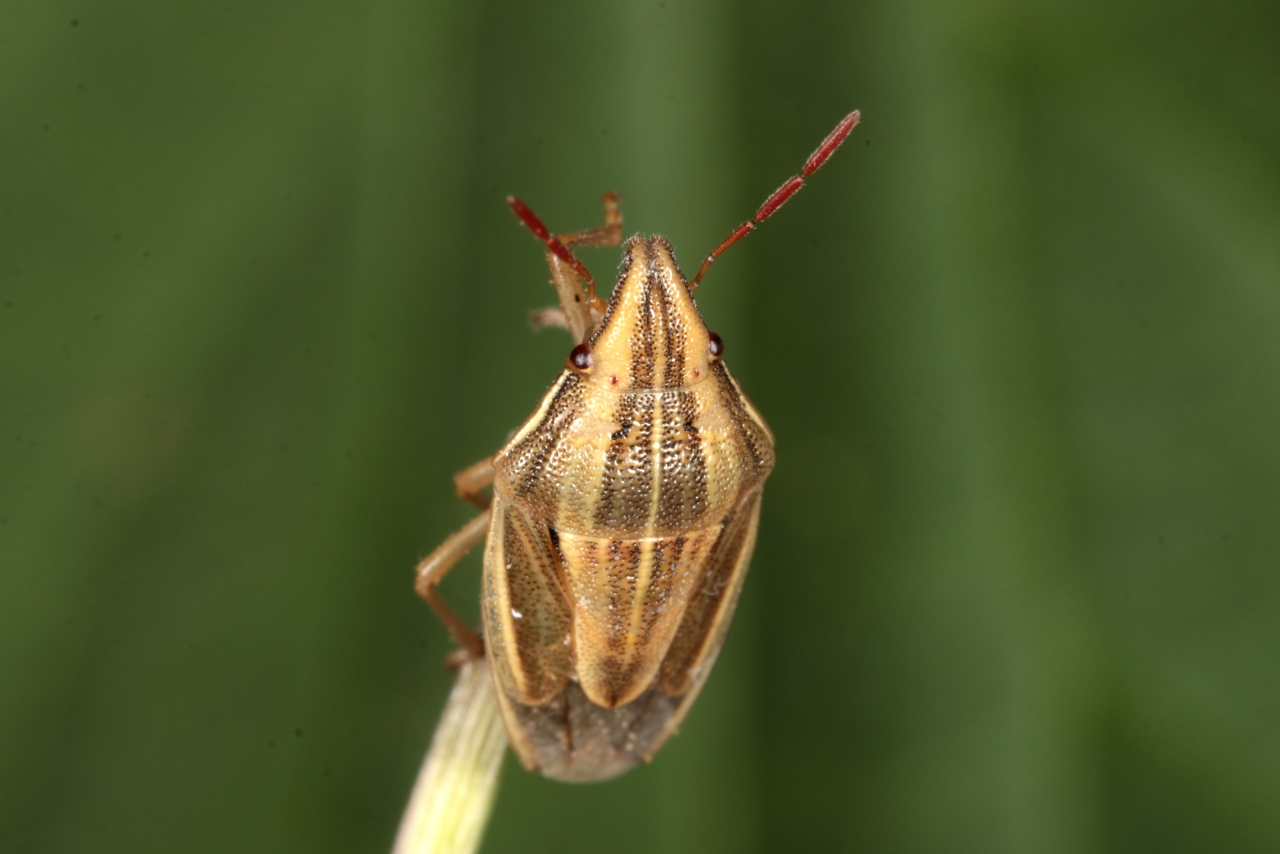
554 244
786 191
591 676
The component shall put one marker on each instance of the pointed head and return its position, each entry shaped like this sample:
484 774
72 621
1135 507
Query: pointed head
651 335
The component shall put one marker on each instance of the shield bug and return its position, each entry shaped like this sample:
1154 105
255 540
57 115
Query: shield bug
623 512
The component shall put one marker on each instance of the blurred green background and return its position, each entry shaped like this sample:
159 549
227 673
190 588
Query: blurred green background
1016 588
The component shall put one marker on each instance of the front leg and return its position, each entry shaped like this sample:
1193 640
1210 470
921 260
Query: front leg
580 308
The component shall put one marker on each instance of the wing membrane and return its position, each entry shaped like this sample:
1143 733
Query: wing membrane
572 738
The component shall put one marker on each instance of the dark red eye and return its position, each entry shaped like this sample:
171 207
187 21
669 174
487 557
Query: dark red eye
717 346
580 357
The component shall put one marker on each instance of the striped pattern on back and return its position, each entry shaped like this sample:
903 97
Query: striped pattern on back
632 467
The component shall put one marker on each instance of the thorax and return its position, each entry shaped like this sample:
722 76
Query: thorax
635 463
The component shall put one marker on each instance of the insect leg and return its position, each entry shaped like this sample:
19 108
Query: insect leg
580 308
609 234
433 569
468 482
544 317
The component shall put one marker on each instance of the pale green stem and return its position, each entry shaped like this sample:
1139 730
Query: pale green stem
451 800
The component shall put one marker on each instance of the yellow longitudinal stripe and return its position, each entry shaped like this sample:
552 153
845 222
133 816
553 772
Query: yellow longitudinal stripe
644 574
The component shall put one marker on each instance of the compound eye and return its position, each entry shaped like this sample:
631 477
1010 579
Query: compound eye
580 357
716 346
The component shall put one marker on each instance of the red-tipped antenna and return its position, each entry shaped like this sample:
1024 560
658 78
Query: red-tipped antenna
554 244
786 191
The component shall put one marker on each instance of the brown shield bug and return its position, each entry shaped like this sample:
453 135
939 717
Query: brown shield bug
623 511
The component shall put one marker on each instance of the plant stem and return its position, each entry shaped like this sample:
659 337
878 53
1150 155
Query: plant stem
453 795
